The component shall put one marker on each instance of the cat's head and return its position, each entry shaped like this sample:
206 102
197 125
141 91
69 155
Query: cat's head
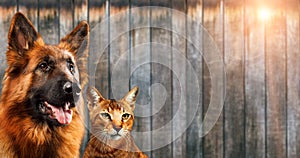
111 119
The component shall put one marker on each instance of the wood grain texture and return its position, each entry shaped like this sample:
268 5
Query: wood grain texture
7 12
234 108
99 52
276 85
48 25
213 141
31 13
80 11
119 51
293 74
163 82
140 69
254 84
194 144
179 88
66 18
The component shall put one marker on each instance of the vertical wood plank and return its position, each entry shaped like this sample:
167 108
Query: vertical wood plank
293 74
178 78
29 9
194 143
98 14
66 17
119 48
48 22
254 83
213 22
7 10
99 38
140 74
234 60
161 74
276 82
80 11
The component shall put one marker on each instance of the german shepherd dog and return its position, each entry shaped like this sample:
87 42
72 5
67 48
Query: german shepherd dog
41 96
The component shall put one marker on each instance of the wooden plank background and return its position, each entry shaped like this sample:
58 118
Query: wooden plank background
261 114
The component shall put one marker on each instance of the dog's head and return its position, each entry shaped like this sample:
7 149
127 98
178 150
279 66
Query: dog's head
44 79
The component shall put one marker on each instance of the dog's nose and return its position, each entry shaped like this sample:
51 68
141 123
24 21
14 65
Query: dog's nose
68 87
71 88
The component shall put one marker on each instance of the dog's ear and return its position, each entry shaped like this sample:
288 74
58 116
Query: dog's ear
77 42
22 34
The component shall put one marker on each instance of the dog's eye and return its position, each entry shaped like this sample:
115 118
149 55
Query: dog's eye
44 66
125 116
71 66
105 115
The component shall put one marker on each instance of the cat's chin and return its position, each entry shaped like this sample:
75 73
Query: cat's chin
115 137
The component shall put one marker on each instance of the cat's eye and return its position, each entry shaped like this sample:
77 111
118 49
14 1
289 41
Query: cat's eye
125 116
105 115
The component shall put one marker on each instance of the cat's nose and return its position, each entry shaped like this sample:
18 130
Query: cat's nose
117 128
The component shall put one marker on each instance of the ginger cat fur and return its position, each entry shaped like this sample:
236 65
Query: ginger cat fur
111 122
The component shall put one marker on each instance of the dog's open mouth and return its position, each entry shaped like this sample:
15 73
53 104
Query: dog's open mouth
63 114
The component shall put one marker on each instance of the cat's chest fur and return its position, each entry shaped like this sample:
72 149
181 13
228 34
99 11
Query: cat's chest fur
97 148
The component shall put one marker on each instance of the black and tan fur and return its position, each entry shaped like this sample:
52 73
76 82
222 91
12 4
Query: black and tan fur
41 96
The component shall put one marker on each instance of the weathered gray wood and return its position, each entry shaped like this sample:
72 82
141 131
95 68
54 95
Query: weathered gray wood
98 55
213 141
194 143
234 60
48 25
276 84
140 69
161 76
7 12
80 11
254 84
119 51
179 79
98 51
30 12
293 74
66 17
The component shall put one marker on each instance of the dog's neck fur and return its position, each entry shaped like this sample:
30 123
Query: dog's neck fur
42 140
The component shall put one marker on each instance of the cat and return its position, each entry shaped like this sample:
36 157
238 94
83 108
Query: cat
111 122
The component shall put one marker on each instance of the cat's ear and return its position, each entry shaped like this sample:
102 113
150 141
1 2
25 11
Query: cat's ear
130 97
93 97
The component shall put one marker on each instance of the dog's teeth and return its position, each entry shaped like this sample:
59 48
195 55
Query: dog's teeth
42 107
67 106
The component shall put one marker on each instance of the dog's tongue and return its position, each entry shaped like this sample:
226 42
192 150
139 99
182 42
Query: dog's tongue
62 114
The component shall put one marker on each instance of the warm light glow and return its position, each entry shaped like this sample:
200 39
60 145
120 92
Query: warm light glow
264 14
